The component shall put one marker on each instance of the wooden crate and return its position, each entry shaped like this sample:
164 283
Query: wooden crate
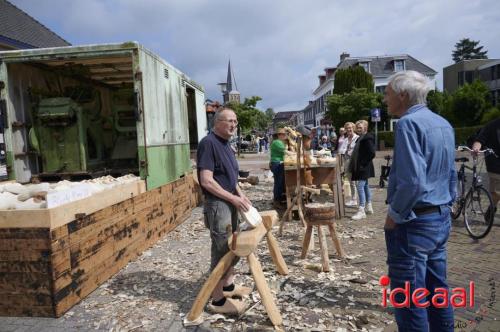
51 260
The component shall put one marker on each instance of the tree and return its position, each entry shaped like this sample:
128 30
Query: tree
247 112
469 104
270 114
440 103
352 106
467 49
350 78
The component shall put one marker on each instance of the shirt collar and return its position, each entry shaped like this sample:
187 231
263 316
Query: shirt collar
222 140
413 109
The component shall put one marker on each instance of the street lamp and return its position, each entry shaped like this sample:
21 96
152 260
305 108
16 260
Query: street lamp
223 89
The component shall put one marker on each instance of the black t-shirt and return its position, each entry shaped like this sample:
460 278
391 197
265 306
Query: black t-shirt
490 138
215 154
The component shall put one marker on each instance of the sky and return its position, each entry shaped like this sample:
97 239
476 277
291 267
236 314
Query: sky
277 48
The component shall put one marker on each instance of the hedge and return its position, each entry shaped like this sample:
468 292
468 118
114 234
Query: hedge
461 136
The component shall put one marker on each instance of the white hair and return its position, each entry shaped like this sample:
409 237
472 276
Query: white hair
219 112
413 83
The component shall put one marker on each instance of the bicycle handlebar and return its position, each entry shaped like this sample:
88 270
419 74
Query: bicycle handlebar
485 151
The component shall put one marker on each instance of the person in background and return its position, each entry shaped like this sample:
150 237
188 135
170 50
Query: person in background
346 151
314 139
266 143
278 167
333 142
362 168
489 137
325 143
340 138
421 190
218 173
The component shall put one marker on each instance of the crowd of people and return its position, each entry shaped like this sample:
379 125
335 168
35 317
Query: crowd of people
422 187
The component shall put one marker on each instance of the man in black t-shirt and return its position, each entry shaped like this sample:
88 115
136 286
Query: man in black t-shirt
489 137
218 173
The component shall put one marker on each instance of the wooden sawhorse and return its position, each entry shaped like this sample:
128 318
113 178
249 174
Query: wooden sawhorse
246 244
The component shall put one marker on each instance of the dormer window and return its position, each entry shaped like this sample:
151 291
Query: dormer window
365 65
399 65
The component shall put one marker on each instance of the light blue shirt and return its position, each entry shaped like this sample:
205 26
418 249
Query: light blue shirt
423 169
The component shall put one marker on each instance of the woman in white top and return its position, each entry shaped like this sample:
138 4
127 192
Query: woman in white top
346 151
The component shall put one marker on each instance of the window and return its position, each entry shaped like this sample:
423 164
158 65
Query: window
469 76
366 66
399 65
380 89
465 77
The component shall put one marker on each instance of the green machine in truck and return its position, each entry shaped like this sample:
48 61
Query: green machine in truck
86 111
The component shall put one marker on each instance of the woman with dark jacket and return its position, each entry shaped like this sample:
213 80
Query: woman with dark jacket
362 169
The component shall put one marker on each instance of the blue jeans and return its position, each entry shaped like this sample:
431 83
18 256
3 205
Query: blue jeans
416 252
364 192
278 170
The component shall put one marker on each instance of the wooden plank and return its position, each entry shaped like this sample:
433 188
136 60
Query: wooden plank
24 233
247 241
209 286
264 291
27 267
26 300
26 255
58 216
33 311
24 282
23 244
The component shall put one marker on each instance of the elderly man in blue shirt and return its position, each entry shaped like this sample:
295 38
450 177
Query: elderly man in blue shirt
421 188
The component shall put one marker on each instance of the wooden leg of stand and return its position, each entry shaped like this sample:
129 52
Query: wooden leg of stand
324 249
288 202
287 213
305 243
336 241
301 213
264 291
276 254
209 286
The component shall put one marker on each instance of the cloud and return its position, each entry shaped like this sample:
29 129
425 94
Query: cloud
277 48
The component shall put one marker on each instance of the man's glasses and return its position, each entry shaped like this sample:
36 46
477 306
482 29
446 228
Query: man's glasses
235 122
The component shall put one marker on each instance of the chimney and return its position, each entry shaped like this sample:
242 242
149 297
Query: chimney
329 72
322 79
343 56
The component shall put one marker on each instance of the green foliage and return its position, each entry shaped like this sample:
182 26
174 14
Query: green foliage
467 49
350 78
249 116
469 103
490 115
440 103
352 106
387 137
463 134
245 112
270 114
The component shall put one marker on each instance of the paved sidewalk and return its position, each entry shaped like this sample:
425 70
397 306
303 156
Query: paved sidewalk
155 291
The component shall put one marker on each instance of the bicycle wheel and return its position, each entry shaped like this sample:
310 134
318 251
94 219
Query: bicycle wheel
477 221
456 208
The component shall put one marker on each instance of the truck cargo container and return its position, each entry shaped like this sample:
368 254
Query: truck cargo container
81 112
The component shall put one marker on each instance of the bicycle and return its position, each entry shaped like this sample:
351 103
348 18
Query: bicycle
384 171
475 204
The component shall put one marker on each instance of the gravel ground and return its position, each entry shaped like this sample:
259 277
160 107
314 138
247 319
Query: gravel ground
155 292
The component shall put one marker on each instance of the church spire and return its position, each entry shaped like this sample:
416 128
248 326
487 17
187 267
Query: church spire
229 81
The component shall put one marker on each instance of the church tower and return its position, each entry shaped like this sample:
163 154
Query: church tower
230 93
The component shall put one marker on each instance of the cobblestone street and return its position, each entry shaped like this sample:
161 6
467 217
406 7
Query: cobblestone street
155 292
